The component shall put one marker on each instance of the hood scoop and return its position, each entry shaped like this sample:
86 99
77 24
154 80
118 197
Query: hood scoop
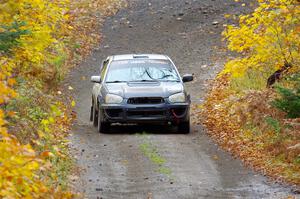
143 84
145 89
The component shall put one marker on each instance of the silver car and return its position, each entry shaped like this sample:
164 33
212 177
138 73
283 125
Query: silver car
143 88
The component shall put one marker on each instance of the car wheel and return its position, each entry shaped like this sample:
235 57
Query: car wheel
103 127
184 127
95 117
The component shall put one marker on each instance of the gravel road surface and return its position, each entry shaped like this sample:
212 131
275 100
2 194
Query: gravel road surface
123 164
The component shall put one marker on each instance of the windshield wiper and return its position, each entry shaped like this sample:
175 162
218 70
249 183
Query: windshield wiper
165 76
117 81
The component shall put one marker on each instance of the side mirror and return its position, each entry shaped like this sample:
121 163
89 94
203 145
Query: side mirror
187 78
96 79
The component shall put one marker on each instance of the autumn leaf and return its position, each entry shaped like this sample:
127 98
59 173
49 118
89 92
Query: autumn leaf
46 154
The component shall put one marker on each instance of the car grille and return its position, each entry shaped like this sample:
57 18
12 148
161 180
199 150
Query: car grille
145 100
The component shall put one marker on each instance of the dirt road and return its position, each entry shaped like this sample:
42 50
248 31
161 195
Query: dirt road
159 164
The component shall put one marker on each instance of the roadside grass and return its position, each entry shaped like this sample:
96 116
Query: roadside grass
152 153
253 80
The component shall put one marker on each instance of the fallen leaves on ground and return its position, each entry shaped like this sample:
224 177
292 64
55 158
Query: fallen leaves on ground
238 124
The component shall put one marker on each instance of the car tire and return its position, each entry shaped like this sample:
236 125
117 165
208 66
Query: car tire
95 117
91 114
103 127
184 127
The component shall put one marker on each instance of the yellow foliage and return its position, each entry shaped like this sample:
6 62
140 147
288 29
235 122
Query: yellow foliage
5 81
42 19
20 165
266 39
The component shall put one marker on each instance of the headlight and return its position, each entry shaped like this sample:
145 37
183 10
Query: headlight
113 99
177 98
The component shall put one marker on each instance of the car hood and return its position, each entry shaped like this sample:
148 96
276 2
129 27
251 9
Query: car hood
145 89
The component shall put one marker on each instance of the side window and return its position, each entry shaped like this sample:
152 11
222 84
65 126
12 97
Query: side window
103 69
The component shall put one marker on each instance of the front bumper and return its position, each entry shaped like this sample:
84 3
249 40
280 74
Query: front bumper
157 113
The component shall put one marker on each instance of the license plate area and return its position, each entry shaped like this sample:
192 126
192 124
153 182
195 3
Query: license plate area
145 113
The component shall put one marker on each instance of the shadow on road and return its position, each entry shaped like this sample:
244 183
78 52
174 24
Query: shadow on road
117 129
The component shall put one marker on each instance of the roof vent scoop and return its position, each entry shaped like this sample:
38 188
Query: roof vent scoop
140 56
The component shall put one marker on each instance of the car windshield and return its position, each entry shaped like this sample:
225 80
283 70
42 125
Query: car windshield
141 70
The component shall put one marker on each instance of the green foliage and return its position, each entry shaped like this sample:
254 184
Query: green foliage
290 98
28 105
58 66
10 34
275 124
165 170
62 167
297 160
